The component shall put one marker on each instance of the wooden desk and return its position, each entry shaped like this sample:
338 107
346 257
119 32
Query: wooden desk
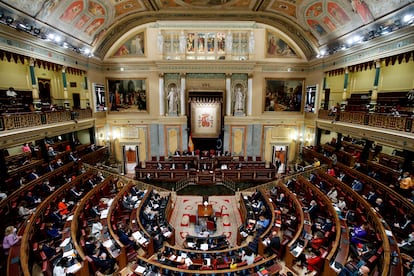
205 211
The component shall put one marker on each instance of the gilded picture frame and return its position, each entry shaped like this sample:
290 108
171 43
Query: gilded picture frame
283 95
127 95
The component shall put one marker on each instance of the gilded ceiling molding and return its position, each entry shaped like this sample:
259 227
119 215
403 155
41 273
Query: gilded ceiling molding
290 28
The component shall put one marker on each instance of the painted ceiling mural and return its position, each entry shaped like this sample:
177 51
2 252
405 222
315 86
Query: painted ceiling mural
90 20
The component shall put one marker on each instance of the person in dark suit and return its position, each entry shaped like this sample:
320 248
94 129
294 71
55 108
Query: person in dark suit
33 175
275 242
103 263
313 209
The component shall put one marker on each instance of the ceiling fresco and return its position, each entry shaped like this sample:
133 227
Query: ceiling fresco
101 21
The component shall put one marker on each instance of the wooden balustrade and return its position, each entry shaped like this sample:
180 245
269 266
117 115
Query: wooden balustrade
388 121
14 121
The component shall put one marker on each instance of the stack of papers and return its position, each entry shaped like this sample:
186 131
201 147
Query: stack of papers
104 214
65 242
137 235
140 269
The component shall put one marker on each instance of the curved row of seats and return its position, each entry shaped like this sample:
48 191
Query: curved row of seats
365 211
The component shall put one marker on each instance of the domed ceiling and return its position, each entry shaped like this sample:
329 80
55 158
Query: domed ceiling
311 23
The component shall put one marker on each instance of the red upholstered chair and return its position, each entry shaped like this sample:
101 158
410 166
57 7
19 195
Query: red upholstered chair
193 219
211 226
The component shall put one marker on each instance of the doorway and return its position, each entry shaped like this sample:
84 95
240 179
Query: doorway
280 158
131 158
76 100
44 90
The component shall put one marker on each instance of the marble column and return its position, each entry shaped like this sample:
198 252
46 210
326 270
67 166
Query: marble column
228 94
35 89
249 97
65 88
344 94
161 94
182 96
374 95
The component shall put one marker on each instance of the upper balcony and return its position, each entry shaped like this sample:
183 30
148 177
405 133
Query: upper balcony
384 128
17 128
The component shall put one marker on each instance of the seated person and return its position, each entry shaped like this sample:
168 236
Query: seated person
46 187
370 197
359 234
63 207
59 163
103 263
273 242
53 232
312 260
32 199
33 175
407 245
333 195
404 224
125 237
204 233
323 226
262 223
75 193
366 252
23 211
49 250
357 186
317 241
349 270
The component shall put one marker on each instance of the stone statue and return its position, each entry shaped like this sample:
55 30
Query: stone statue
172 99
229 43
160 39
239 99
251 43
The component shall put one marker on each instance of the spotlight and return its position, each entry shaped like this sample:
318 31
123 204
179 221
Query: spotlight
1 16
9 20
36 31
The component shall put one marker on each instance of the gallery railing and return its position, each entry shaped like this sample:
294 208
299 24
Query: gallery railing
388 121
11 121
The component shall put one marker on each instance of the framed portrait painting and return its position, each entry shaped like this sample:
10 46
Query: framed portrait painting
283 94
127 95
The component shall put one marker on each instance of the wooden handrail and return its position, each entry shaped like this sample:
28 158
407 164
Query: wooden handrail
30 229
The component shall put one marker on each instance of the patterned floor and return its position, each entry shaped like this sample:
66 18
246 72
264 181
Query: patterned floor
185 206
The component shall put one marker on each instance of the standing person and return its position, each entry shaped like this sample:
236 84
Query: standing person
172 98
248 256
10 239
406 184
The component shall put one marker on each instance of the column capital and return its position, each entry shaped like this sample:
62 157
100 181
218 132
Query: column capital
183 75
63 69
32 61
377 63
161 75
228 75
346 70
250 76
